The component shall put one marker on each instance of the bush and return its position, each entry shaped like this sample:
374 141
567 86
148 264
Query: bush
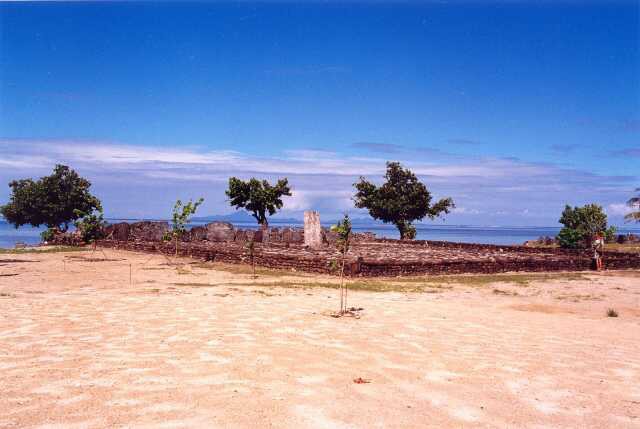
48 234
91 225
581 224
610 234
569 238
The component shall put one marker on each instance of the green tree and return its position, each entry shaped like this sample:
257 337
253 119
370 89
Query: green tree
258 197
91 225
54 201
181 215
401 200
343 229
581 224
634 203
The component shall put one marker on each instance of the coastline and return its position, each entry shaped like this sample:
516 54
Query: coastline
502 235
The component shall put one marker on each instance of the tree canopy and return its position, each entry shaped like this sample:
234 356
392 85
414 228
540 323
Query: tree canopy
258 197
54 201
634 203
401 200
581 224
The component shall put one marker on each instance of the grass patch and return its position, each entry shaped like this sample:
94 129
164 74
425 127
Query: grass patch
193 284
504 292
614 247
612 313
246 269
424 284
578 297
478 280
85 259
37 250
629 247
187 270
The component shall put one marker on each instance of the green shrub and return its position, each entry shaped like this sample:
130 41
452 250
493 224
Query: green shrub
91 225
569 238
581 224
48 234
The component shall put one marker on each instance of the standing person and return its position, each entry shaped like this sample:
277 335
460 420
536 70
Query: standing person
598 250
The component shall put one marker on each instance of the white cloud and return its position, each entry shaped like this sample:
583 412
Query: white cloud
619 209
466 211
140 176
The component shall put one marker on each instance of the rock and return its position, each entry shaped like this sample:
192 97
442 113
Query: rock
365 236
329 237
148 230
197 233
241 236
257 235
297 236
275 235
220 231
117 231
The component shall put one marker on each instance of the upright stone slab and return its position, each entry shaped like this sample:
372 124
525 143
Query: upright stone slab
118 231
220 231
148 230
197 233
312 230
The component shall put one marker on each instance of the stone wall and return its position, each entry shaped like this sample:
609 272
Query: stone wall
370 260
219 232
284 248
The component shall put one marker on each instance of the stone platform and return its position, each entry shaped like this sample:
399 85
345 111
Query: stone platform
369 257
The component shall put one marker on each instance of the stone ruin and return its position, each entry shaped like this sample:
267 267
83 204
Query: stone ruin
312 230
287 248
224 232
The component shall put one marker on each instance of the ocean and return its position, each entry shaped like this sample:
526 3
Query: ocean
9 236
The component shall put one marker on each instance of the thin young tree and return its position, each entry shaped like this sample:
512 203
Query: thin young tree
343 230
91 227
181 216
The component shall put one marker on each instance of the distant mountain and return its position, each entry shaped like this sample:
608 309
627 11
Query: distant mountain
241 216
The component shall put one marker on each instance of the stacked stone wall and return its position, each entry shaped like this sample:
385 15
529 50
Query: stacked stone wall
372 260
284 248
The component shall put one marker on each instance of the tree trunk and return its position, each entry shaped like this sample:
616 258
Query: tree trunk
401 229
343 295
176 238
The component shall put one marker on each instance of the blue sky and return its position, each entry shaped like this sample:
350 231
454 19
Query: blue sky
511 108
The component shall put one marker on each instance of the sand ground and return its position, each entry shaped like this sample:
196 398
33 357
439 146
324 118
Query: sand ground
82 346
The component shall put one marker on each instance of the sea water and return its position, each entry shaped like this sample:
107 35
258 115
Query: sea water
9 235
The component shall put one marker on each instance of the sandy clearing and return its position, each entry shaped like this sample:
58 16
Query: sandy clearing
82 347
